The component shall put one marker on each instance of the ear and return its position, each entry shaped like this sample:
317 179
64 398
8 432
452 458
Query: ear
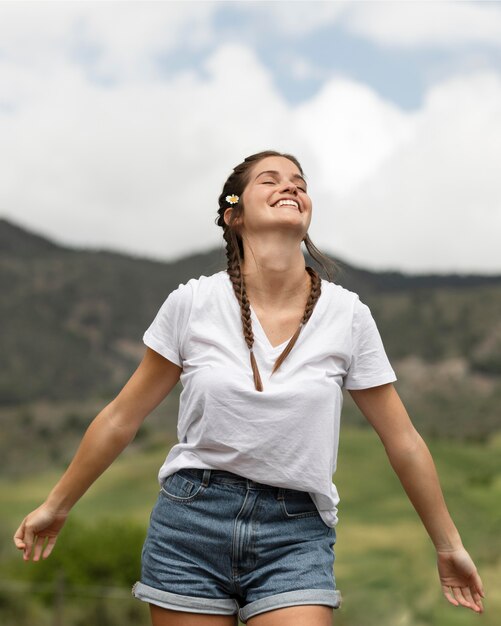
227 217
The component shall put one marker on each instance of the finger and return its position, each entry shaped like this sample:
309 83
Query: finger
476 590
29 538
449 596
477 597
477 601
477 584
18 537
463 595
20 545
49 547
38 547
457 595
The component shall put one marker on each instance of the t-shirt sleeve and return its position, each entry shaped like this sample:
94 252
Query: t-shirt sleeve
369 364
165 334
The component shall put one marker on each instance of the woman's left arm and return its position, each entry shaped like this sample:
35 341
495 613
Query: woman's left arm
410 458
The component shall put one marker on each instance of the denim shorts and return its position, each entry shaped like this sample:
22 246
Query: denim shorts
219 543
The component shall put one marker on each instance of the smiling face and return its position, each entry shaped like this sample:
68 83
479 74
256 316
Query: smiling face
276 197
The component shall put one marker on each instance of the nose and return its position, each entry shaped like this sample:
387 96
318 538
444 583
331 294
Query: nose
290 186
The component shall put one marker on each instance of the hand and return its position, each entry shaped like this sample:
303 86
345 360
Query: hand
461 583
38 531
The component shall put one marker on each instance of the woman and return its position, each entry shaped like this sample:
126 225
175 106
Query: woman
244 522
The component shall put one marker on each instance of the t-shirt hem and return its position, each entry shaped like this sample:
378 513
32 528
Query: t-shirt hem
372 382
166 352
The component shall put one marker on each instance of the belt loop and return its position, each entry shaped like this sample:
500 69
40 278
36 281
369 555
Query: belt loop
206 477
281 492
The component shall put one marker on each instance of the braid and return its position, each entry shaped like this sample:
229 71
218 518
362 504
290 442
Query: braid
237 280
235 184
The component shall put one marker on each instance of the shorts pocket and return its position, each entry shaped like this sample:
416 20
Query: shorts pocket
182 486
297 504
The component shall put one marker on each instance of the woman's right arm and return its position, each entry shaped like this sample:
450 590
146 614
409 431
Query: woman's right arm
108 434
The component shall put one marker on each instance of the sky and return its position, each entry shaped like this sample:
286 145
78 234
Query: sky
120 122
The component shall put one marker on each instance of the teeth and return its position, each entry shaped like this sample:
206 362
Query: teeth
287 202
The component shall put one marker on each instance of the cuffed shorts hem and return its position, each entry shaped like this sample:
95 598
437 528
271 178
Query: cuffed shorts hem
290 598
177 602
227 606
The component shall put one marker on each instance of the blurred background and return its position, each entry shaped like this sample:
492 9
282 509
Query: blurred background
119 122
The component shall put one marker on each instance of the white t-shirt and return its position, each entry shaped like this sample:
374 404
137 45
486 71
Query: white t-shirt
286 435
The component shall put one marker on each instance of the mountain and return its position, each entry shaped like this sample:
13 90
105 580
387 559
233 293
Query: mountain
72 322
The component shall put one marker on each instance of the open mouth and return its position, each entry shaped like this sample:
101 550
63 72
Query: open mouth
290 203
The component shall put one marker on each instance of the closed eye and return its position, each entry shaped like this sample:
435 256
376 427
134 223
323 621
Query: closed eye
270 182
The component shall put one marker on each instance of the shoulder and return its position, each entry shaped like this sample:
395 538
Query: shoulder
339 296
345 305
196 290
202 283
180 301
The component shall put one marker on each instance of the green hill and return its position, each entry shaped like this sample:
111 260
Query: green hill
71 326
384 565
70 335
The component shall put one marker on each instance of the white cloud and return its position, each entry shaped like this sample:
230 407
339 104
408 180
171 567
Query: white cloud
293 18
118 40
352 130
435 202
299 68
391 23
408 24
137 165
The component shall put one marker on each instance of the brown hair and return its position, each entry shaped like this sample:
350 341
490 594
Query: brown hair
235 184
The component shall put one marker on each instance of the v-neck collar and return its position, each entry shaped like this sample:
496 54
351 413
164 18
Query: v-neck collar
258 329
256 324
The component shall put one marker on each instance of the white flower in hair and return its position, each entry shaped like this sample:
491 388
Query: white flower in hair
233 199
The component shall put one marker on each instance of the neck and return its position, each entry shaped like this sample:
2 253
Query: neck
273 281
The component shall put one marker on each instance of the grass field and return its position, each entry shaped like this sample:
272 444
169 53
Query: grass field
384 567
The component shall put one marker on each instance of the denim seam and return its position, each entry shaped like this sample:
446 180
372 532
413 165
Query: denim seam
186 499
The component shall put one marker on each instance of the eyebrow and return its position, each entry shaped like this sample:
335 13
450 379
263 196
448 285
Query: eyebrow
275 172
